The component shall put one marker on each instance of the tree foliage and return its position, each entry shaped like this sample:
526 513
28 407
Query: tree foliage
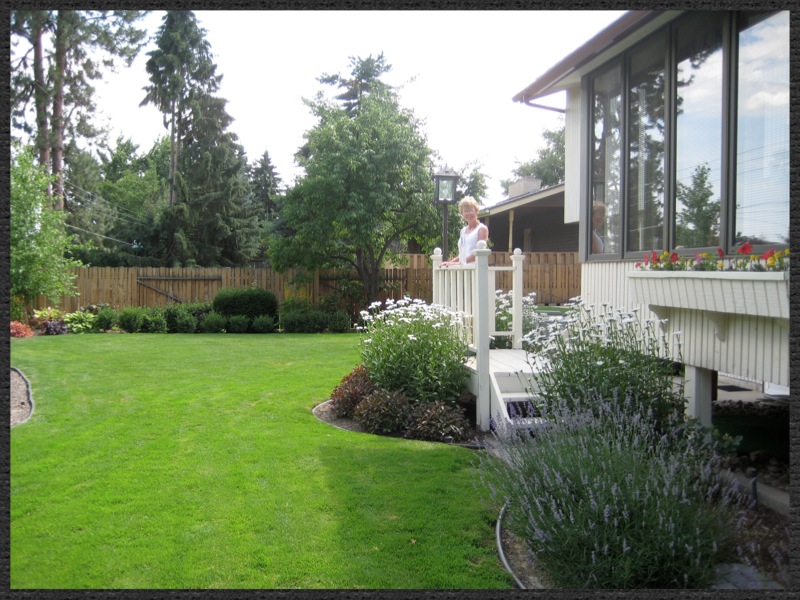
697 222
57 53
211 218
367 187
180 67
39 246
548 166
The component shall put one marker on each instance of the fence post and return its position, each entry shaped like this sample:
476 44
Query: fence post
516 298
437 265
481 320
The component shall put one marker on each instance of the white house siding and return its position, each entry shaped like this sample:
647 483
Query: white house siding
572 156
754 348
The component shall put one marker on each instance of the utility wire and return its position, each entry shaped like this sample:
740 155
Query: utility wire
100 235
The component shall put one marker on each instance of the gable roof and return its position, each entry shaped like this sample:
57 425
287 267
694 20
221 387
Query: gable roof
619 30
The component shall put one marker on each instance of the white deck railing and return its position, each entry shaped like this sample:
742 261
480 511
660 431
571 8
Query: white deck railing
470 290
458 288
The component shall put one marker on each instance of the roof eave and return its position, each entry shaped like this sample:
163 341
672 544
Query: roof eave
614 33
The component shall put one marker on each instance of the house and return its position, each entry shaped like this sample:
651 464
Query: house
677 139
532 219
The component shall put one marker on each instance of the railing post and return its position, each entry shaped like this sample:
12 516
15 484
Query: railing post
436 258
481 320
516 298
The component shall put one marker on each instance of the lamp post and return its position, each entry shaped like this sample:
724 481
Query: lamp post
445 194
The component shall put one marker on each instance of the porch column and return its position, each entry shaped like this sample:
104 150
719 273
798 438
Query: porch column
516 298
511 231
698 393
481 318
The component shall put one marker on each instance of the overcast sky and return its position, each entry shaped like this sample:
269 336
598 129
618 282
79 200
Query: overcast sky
457 70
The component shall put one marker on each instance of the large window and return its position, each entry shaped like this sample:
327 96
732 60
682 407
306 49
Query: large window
687 153
606 162
646 95
762 141
698 137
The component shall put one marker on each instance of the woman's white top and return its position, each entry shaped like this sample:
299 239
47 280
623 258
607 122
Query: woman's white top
467 242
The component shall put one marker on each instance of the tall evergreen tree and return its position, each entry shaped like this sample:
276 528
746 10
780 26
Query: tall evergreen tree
222 218
56 77
265 181
180 67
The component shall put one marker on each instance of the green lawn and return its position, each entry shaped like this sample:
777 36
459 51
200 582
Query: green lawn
193 461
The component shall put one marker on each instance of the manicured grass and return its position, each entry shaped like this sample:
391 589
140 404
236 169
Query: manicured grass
193 461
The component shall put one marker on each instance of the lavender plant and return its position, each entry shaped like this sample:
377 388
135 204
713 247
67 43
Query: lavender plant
605 501
607 352
415 348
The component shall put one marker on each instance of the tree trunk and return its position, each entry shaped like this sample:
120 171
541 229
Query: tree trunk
40 93
62 35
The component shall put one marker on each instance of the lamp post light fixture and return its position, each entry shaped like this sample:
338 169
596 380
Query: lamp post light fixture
445 194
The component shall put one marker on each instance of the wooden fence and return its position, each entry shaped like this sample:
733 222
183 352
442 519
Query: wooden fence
554 276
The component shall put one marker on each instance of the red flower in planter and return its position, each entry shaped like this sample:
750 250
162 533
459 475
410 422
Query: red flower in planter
745 248
654 257
769 254
720 253
673 258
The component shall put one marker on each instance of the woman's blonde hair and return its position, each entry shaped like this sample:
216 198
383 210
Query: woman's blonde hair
468 201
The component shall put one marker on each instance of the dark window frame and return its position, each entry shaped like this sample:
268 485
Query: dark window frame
728 155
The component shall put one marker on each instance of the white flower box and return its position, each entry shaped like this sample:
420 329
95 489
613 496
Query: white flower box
754 293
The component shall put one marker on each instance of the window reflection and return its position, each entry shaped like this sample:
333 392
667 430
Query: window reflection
606 162
762 165
646 146
698 131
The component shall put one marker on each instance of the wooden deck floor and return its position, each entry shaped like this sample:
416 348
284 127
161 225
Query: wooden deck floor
504 361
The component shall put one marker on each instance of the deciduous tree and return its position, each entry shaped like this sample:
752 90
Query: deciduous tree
40 263
367 188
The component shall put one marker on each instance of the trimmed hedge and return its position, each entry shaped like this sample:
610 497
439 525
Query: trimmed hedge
250 302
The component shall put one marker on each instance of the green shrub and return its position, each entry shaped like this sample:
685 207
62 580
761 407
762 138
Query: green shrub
415 349
185 322
131 319
338 321
179 319
80 322
438 422
296 305
238 324
297 321
383 412
198 310
605 501
355 387
263 324
42 316
607 353
251 302
154 321
106 319
214 323
17 309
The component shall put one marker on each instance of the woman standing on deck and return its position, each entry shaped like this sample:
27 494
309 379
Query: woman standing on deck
471 234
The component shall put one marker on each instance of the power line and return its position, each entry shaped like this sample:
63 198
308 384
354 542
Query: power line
100 235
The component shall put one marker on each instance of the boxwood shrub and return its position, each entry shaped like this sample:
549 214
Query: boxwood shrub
250 302
263 324
214 323
131 319
238 324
